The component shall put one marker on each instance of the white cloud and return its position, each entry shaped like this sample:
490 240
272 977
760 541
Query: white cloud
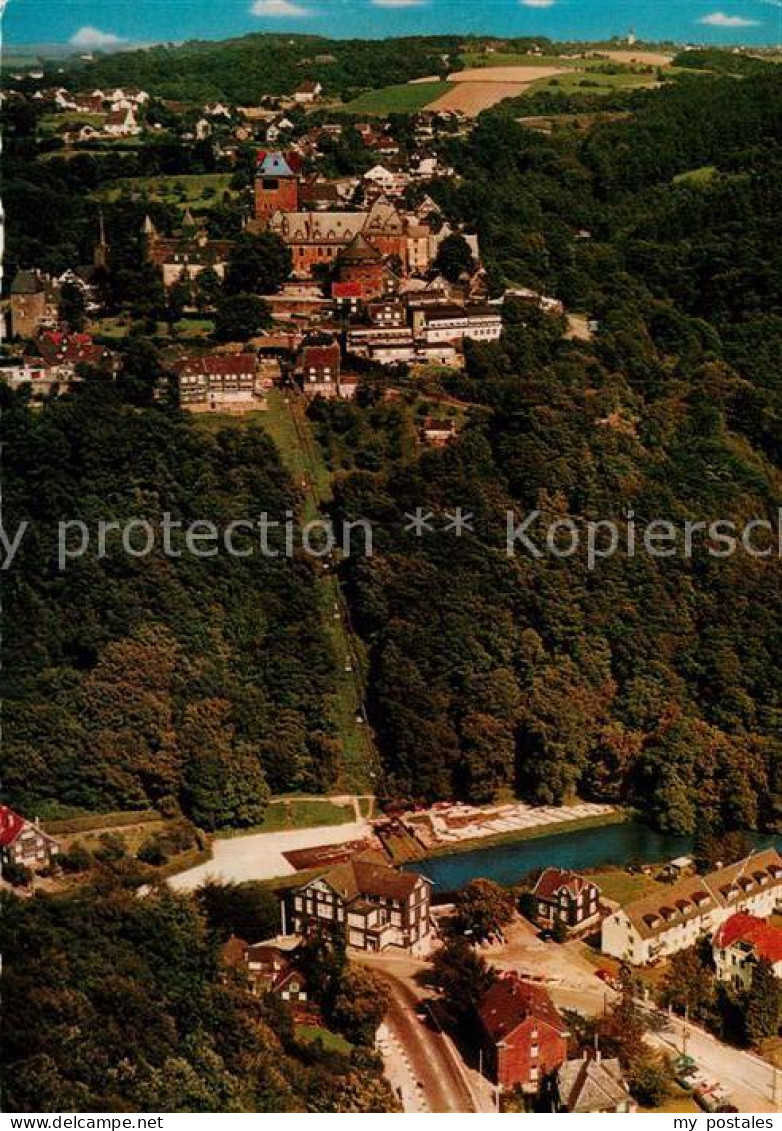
398 3
537 3
276 8
721 19
94 37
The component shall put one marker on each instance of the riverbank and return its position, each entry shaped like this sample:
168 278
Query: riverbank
537 832
594 844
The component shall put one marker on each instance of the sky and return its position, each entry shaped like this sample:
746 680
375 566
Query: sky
111 23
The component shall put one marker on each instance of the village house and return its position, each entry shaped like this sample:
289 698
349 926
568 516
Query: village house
375 905
566 897
391 181
270 967
34 372
121 123
34 303
217 110
663 923
438 433
319 369
522 1035
224 382
23 843
740 943
592 1084
307 92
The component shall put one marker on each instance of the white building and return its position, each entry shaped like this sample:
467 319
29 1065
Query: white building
676 918
434 324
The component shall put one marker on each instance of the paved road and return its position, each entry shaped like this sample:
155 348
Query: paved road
750 1079
432 1060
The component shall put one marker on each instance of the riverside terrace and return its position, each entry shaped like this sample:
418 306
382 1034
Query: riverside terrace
452 824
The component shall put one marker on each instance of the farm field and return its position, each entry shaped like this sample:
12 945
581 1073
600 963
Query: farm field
405 98
480 60
479 88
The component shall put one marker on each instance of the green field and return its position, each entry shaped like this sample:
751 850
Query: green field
332 1042
185 189
404 99
593 82
624 887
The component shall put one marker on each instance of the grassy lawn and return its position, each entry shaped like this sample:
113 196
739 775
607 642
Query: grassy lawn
296 813
697 177
624 887
182 189
332 1042
403 99
187 329
677 1101
366 806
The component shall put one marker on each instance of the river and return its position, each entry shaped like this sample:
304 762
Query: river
583 848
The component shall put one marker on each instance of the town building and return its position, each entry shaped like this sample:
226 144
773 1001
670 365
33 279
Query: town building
375 905
523 1036
34 303
592 1084
566 897
676 918
451 323
224 382
22 842
361 265
184 256
740 943
387 313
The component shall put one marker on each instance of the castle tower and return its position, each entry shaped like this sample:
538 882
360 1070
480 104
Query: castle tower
276 185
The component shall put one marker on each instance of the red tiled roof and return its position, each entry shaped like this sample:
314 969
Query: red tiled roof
509 1003
11 825
552 879
216 364
318 356
764 939
346 290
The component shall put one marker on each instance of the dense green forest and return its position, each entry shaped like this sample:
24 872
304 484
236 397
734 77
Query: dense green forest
645 680
114 1003
244 70
169 680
